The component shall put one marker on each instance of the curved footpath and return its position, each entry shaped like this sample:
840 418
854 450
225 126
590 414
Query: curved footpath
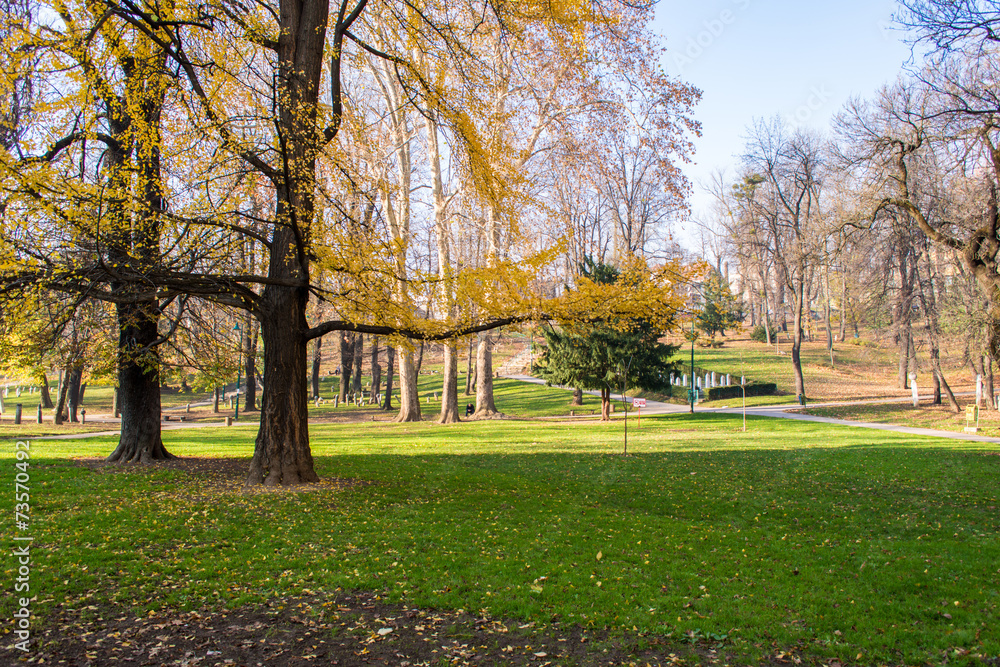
789 412
660 408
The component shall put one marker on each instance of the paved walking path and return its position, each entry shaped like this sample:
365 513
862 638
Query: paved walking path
659 408
790 412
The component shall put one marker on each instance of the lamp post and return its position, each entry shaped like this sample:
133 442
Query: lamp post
691 394
239 373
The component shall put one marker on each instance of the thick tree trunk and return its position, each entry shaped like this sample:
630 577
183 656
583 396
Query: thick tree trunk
281 454
346 365
138 386
59 415
46 399
605 404
376 370
317 358
449 389
215 400
577 397
390 372
359 357
409 400
988 379
485 407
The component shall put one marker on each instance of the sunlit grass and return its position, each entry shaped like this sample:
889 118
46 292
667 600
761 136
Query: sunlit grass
827 541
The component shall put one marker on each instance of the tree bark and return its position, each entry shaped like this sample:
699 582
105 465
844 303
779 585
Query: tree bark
988 379
605 404
346 365
215 400
409 400
139 386
800 385
468 371
577 397
485 407
317 358
420 357
281 453
59 415
390 372
46 399
376 370
73 394
359 357
449 389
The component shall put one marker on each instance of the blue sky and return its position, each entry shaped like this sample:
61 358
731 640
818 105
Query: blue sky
758 58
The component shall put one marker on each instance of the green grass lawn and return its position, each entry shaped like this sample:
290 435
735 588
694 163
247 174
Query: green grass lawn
823 541
924 416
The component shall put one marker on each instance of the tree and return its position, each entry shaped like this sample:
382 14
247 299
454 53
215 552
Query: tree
721 310
784 183
265 94
594 355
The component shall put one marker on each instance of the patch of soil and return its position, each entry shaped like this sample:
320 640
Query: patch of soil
217 475
348 629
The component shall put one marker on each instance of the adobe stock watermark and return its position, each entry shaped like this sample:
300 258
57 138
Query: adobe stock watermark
22 545
712 29
816 99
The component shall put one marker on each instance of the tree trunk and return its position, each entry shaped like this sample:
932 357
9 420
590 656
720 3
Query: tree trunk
990 389
60 412
827 315
376 370
485 407
449 389
250 367
605 404
577 397
138 386
936 364
937 382
73 393
359 357
843 309
390 372
468 371
317 358
215 400
800 385
43 386
346 365
420 357
281 453
409 400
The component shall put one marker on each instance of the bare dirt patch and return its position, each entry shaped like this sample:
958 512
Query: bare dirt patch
344 629
218 475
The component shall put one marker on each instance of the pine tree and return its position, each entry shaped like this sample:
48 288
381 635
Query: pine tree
623 353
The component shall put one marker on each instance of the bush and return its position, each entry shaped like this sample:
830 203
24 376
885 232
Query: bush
759 334
734 391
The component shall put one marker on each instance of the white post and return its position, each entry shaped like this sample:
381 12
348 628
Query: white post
913 388
685 381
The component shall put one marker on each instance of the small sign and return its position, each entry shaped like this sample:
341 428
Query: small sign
638 402
971 419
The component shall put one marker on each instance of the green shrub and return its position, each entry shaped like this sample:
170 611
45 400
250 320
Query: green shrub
759 334
735 391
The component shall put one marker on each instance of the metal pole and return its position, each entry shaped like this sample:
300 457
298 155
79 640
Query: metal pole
692 390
